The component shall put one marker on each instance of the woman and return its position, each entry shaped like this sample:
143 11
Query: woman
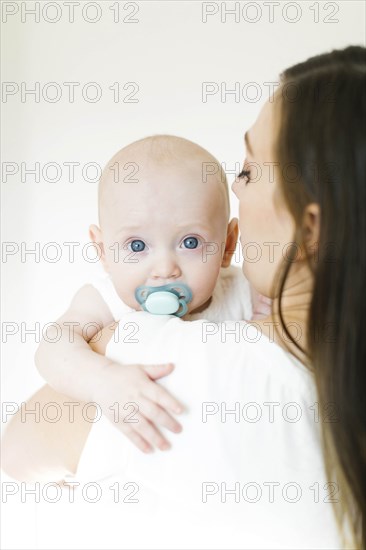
322 131
301 193
320 146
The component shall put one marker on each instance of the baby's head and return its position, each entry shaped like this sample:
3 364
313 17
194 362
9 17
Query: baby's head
164 218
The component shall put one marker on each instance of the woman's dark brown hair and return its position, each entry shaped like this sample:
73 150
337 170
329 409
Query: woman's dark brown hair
323 133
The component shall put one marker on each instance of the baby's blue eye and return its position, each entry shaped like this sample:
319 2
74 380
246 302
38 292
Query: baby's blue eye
190 242
137 245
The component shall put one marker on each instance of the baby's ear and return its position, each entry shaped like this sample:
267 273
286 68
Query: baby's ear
96 236
231 240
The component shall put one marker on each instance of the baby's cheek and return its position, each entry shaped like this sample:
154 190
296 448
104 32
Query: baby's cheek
127 295
211 253
124 283
205 280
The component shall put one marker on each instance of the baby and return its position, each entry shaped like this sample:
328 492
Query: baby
166 243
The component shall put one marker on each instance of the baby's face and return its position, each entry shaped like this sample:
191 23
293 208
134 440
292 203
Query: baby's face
167 227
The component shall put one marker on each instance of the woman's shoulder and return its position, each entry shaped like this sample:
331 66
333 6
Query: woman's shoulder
221 347
240 351
246 340
250 419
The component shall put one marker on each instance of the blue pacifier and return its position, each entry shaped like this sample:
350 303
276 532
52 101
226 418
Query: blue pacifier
171 299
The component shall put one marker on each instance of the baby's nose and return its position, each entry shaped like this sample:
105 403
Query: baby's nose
165 267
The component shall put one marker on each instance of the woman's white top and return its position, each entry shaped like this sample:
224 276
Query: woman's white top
231 298
247 469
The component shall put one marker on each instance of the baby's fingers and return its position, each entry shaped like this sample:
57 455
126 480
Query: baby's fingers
157 415
150 433
158 371
135 438
159 395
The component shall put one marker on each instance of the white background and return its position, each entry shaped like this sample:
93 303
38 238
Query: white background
169 52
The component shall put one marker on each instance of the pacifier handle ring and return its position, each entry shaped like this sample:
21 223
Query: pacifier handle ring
184 308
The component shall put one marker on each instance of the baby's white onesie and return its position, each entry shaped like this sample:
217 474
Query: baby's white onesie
231 298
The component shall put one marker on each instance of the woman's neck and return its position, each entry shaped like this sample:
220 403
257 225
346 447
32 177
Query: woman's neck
295 303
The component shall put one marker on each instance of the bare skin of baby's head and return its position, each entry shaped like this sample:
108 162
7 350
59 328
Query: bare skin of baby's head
164 218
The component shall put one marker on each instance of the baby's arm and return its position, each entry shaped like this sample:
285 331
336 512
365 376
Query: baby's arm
71 367
68 363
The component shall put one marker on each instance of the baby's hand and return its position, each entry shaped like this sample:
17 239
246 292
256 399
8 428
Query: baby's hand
131 399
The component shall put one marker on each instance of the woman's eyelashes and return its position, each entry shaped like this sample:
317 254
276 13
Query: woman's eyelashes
244 174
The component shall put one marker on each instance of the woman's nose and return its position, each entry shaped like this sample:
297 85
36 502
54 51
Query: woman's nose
233 186
165 267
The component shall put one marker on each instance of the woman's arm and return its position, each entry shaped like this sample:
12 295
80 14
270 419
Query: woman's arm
35 448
